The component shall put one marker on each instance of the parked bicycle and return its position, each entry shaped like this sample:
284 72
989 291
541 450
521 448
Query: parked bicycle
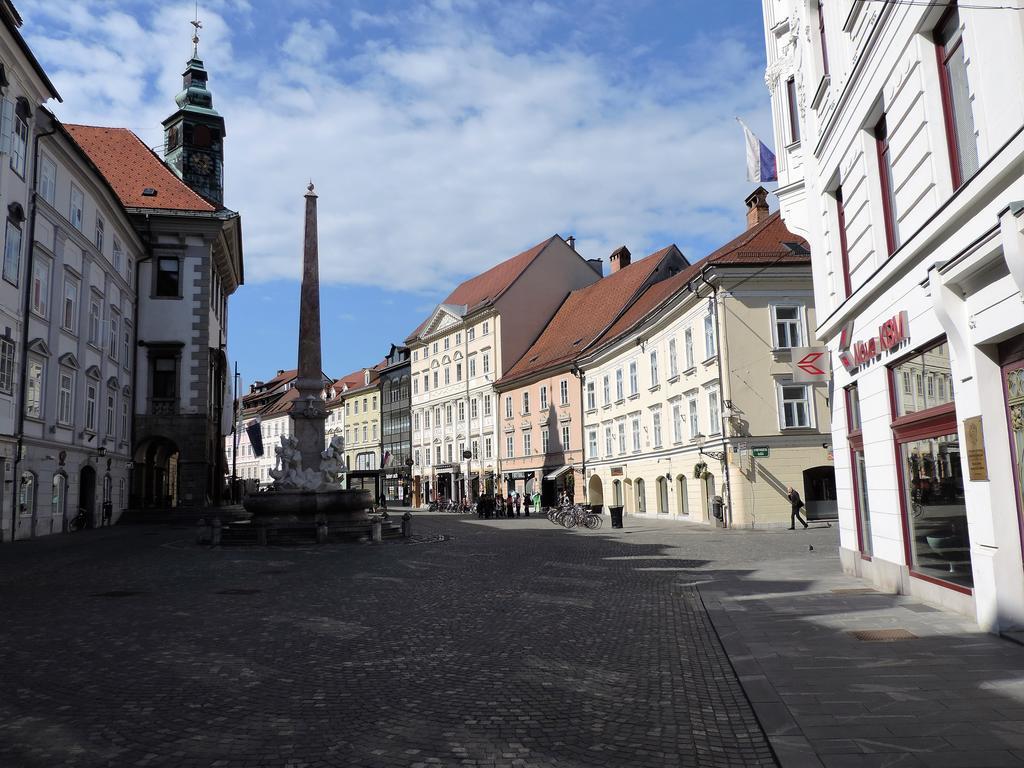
571 515
78 522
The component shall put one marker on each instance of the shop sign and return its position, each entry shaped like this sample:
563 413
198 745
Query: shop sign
617 472
811 365
977 465
891 333
760 451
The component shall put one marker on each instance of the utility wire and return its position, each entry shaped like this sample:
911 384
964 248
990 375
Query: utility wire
948 4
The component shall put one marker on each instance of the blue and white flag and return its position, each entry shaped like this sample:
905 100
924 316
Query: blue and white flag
760 160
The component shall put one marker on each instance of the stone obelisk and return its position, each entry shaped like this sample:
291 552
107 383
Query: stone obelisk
309 411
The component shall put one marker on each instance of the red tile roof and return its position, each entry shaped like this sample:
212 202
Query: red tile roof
584 314
489 285
761 245
129 166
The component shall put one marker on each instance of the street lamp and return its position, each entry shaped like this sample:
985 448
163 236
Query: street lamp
468 456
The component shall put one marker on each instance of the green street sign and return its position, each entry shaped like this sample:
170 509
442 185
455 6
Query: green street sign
760 451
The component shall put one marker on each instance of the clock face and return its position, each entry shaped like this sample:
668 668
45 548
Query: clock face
202 164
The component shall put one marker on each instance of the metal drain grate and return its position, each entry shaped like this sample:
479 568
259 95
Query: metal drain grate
855 591
239 591
883 635
119 593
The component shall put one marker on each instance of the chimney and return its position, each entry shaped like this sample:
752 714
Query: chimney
597 266
619 259
757 207
280 371
571 241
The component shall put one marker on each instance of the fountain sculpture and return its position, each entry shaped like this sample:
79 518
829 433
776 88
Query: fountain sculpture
306 492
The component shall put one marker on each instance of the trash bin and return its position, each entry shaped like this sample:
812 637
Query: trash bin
616 515
718 510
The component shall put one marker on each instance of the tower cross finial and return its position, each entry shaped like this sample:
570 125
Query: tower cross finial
195 33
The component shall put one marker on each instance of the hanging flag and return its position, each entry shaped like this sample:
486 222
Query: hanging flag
252 429
760 160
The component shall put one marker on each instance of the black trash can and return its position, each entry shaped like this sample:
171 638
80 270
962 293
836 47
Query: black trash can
596 509
616 515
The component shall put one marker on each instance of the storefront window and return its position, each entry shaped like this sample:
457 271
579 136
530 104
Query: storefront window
937 515
932 365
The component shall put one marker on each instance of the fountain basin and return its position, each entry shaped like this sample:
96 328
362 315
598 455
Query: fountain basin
338 504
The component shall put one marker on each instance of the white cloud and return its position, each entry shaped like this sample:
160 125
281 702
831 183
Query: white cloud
435 154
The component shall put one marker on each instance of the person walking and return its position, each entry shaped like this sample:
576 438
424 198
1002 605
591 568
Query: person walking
796 502
519 501
527 503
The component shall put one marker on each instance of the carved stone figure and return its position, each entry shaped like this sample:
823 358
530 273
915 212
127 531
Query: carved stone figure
333 460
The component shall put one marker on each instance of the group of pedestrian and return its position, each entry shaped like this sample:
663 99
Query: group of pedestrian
515 504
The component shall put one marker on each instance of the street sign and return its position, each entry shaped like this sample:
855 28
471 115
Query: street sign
811 365
760 451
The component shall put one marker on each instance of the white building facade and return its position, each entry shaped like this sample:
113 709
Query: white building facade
901 136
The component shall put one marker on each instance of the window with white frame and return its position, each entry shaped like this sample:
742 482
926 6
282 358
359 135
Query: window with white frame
563 392
95 310
487 448
447 376
634 382
65 388
709 337
471 333
486 363
124 418
673 362
462 410
635 429
474 408
126 346
118 255
76 208
543 398
609 442
618 384
677 422
510 449
487 405
486 329
714 413
111 410
694 416
19 141
794 405
91 392
688 347
527 444
34 394
545 439
565 438
69 315
656 427
12 253
591 396
472 367
788 326
6 364
448 413
47 179
41 287
622 436
654 368
592 442
99 236
115 333
508 406
606 390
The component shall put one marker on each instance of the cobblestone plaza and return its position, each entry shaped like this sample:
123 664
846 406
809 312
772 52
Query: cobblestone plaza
508 643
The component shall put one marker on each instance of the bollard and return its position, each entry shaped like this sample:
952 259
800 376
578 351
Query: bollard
215 536
407 525
375 532
204 533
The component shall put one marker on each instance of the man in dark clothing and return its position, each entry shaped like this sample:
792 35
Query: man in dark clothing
797 503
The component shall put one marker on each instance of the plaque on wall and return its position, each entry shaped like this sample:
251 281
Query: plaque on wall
977 466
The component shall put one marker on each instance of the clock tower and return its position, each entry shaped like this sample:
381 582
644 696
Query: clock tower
194 135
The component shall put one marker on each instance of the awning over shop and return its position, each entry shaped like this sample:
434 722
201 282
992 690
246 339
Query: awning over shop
558 472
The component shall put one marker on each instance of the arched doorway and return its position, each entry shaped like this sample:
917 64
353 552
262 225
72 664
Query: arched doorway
617 493
682 501
87 494
820 493
27 502
709 494
662 489
628 498
641 497
58 503
595 491
155 474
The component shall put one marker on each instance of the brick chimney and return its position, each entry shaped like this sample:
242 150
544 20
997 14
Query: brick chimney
619 259
757 207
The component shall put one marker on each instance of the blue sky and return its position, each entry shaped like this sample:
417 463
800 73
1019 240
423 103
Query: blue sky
443 136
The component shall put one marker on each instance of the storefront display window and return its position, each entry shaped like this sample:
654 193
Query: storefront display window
937 515
931 366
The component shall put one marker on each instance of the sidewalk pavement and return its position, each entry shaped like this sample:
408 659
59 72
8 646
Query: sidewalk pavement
950 696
